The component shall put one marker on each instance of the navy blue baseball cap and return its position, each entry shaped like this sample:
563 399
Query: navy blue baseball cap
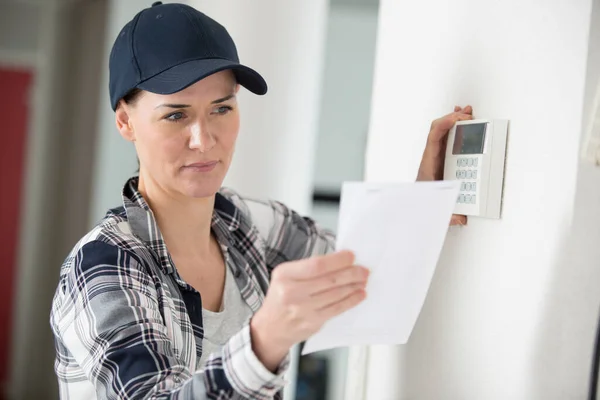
168 47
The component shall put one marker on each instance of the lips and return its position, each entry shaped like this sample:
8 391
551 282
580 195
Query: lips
202 166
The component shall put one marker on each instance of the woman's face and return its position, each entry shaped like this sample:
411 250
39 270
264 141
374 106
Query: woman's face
185 141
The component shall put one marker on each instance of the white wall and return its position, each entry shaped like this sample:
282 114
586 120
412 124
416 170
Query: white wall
512 307
571 307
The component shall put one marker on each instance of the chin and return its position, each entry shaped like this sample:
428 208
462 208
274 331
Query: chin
201 189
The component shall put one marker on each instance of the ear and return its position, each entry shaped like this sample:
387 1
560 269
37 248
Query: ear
124 123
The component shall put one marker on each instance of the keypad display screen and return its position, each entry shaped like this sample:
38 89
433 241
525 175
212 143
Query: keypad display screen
469 139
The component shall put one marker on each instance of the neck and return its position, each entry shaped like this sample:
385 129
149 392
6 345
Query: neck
185 223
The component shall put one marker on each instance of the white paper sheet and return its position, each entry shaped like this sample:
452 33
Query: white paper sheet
397 231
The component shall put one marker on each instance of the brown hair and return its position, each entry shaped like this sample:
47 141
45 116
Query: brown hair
132 96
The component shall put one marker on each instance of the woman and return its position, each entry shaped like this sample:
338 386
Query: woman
175 294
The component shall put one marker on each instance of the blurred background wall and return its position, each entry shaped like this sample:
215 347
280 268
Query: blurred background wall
56 44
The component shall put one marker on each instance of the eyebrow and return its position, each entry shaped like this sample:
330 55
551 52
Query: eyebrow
170 105
231 96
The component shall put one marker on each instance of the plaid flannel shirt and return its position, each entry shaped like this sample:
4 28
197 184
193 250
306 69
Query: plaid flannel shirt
127 326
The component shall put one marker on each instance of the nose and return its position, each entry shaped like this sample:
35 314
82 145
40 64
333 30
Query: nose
200 138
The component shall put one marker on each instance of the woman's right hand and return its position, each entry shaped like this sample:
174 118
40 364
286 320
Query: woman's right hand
302 296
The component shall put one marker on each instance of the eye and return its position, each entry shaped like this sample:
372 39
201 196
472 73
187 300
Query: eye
222 110
175 117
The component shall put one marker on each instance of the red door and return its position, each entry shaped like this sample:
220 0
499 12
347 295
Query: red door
14 100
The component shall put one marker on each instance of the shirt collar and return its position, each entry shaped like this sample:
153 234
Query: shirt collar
226 219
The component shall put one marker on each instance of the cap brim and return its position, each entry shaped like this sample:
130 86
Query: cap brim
183 75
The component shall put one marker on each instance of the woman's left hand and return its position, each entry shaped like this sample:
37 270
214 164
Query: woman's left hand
432 163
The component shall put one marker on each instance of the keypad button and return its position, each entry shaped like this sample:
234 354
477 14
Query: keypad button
468 174
463 162
461 198
463 186
458 162
469 162
475 162
474 199
467 198
474 186
474 174
468 186
457 174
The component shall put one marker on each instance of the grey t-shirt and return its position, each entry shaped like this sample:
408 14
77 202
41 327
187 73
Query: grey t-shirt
220 326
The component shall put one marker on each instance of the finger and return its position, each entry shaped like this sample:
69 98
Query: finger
468 110
458 220
318 266
330 297
344 304
457 108
343 277
462 117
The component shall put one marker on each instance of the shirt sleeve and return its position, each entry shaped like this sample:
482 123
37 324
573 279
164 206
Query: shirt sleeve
288 235
107 318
